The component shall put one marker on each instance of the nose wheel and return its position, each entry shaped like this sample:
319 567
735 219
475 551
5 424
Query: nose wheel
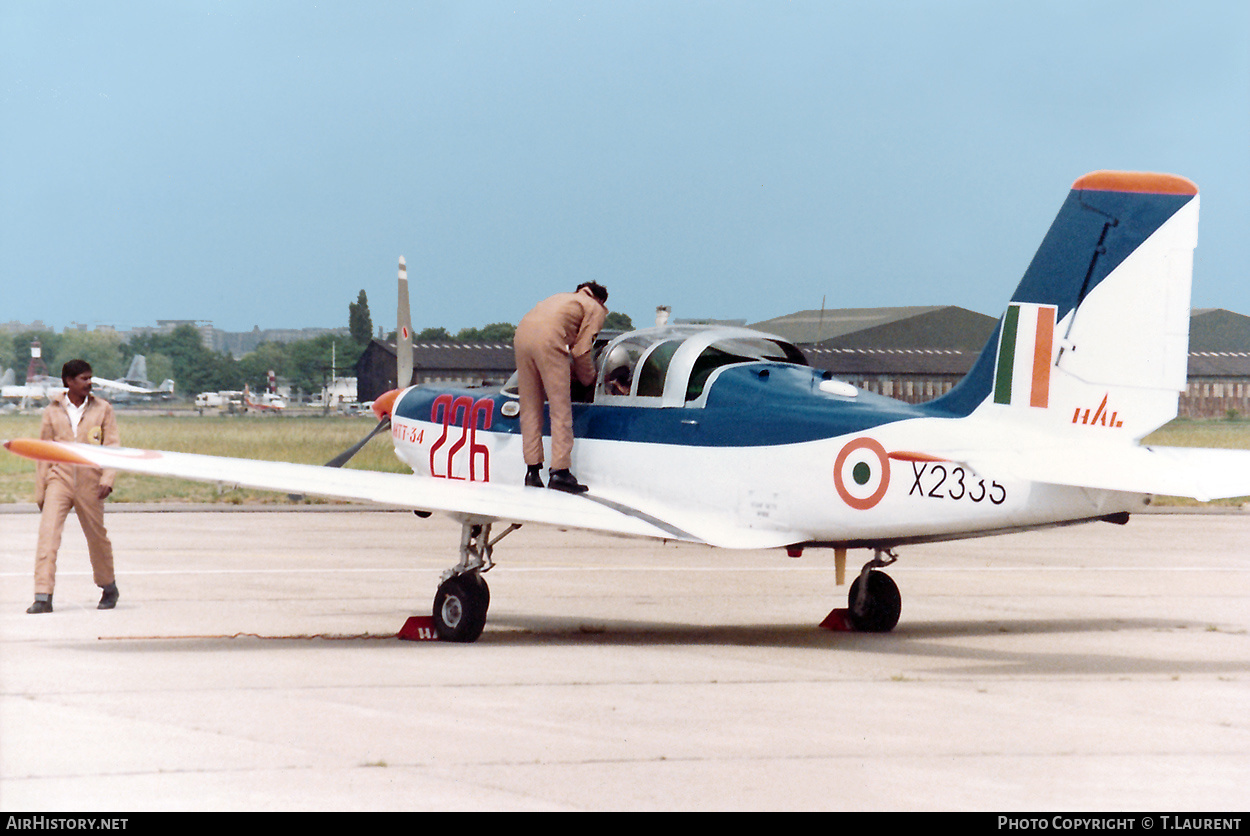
462 599
460 607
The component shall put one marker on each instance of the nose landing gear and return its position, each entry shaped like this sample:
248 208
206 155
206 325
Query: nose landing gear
463 597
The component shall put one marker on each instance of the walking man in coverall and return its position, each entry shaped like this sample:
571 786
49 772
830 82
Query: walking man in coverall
76 415
555 341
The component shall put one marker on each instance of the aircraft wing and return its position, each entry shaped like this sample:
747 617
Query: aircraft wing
116 385
123 386
482 501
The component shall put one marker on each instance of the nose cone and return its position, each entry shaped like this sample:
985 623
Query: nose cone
385 403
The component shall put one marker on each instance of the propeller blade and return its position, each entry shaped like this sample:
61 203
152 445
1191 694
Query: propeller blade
403 331
403 374
344 457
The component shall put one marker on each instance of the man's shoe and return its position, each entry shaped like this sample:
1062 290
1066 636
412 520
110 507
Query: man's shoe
562 480
43 603
109 599
533 478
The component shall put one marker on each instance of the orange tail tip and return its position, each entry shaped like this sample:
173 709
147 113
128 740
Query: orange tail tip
385 403
1143 182
46 451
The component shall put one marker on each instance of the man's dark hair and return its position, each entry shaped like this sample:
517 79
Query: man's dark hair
74 368
596 290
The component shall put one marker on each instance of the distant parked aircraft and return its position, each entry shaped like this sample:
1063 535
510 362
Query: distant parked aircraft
42 388
36 389
135 383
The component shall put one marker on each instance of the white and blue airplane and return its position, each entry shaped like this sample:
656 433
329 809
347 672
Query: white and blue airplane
726 437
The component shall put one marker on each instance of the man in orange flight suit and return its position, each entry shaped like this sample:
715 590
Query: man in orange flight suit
76 415
553 342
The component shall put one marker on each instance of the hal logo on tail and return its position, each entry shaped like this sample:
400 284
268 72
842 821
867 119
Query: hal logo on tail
1100 418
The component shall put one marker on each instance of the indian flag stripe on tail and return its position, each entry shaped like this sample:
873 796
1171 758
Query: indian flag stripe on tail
1026 341
1006 355
1043 343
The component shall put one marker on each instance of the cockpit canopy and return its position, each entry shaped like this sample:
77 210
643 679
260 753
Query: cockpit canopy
673 365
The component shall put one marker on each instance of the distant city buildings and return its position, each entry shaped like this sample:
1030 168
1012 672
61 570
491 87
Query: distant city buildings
238 343
234 343
15 327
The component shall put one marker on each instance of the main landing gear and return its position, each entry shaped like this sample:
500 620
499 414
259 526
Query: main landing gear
463 597
875 602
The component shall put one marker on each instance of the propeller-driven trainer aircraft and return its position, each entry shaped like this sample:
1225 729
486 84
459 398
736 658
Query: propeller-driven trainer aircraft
726 437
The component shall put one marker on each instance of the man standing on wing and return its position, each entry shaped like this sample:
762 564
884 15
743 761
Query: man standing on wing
554 342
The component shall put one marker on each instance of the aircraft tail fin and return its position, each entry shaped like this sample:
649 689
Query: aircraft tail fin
403 331
167 385
1097 333
138 370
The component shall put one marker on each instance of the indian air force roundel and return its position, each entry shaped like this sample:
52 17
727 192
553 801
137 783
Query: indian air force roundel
862 473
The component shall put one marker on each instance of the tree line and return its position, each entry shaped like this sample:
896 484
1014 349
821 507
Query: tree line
501 332
305 365
182 356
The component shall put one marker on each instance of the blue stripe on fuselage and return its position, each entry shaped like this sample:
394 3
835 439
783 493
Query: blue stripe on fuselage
752 405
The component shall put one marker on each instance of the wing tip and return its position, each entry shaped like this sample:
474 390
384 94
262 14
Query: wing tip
46 451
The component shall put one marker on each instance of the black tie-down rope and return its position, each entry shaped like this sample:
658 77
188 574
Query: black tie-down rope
305 637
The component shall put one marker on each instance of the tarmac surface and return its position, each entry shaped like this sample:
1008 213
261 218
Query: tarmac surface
252 664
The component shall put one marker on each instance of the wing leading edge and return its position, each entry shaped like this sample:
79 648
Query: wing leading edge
464 500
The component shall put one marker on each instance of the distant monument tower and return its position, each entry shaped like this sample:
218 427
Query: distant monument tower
36 367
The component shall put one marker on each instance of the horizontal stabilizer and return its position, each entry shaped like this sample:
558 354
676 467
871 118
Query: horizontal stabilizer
1198 473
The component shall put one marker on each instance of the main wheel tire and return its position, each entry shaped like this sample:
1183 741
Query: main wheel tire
460 608
882 606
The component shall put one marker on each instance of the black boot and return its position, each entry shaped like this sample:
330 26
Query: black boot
43 603
109 599
562 480
534 476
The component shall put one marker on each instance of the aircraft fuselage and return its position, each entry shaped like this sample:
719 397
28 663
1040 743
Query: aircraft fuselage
767 445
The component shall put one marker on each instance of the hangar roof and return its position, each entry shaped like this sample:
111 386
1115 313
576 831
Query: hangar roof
932 327
1215 329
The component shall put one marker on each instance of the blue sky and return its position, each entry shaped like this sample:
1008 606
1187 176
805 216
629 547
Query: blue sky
260 162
